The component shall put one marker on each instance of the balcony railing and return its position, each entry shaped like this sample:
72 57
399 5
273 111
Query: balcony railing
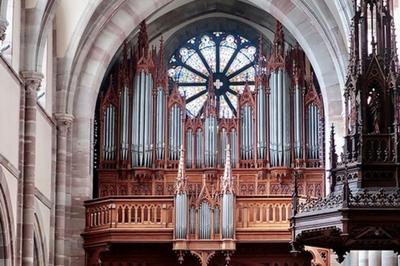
129 212
255 217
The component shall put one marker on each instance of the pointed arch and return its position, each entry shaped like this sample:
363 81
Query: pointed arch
7 233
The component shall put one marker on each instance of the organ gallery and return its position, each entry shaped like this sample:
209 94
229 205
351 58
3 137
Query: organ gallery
195 151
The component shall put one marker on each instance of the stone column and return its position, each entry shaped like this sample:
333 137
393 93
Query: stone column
374 258
64 122
363 258
389 258
32 83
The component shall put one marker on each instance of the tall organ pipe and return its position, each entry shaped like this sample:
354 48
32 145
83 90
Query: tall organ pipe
246 133
313 138
199 148
181 223
124 114
205 221
142 120
109 147
189 148
175 132
261 124
210 141
160 124
279 118
223 142
234 149
298 118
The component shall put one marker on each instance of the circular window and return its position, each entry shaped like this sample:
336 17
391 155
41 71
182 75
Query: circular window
228 57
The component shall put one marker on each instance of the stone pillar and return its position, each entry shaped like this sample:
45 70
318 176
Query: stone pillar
32 83
363 258
374 258
64 122
389 258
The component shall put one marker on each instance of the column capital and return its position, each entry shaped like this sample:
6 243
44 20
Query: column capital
32 81
64 121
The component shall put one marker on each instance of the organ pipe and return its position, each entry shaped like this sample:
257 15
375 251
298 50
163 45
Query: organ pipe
189 148
234 150
175 131
298 118
246 132
223 142
124 114
142 120
181 200
199 148
261 124
205 221
210 141
313 139
160 124
279 119
227 199
109 130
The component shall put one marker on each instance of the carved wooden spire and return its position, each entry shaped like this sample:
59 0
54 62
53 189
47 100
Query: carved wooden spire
227 179
279 47
143 41
162 77
181 176
261 71
277 58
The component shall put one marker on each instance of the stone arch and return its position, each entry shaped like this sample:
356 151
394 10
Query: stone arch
88 57
7 233
40 250
38 22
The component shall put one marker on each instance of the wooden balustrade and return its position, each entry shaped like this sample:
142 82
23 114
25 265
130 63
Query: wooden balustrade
263 213
129 212
158 212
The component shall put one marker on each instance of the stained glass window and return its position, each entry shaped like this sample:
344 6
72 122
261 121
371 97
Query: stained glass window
230 59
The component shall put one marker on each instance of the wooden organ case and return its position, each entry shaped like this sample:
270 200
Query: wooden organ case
207 183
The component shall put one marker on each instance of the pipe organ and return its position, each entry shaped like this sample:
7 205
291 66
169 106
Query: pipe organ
278 125
149 145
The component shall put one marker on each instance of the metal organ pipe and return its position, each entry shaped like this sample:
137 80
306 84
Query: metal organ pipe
280 119
142 120
298 118
233 140
227 216
181 215
109 133
261 124
205 221
313 139
189 148
160 124
175 132
210 141
223 142
248 132
199 148
124 109
286 121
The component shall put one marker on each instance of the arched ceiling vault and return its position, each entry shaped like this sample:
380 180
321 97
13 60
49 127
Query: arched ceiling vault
105 27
